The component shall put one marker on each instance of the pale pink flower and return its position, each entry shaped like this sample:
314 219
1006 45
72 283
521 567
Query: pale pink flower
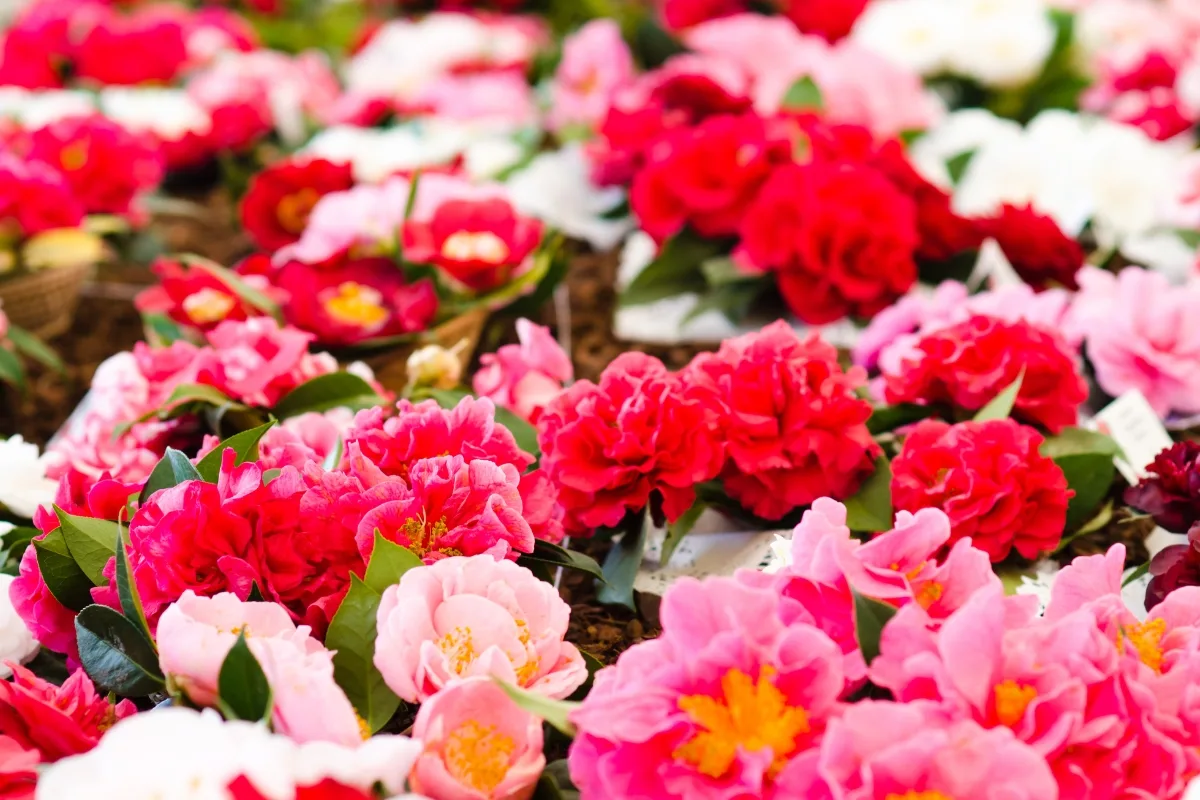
367 217
595 64
297 441
466 616
726 703
493 97
524 377
195 635
478 744
255 361
909 315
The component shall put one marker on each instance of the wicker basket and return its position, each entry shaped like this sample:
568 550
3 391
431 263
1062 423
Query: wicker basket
44 302
390 367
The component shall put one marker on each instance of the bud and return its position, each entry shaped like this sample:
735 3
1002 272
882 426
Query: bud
435 367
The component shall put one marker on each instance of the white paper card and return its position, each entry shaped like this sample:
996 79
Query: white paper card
709 549
1133 425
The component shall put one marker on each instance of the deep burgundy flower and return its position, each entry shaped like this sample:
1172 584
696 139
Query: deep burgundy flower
1171 491
1174 567
1038 249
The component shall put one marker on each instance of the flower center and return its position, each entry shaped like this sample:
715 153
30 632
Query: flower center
458 649
749 716
1146 640
478 756
482 246
207 306
526 671
423 537
294 209
929 594
355 304
73 156
914 795
1012 699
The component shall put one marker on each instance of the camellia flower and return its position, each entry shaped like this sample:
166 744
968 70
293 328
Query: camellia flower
36 196
50 622
279 199
595 64
524 377
794 428
641 430
258 362
196 297
23 482
991 481
156 34
56 721
449 506
968 364
1037 248
481 244
466 616
1170 492
1173 567
17 643
478 744
195 634
724 703
847 242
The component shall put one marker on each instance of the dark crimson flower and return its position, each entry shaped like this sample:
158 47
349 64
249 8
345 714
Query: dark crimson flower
968 364
1039 251
280 198
990 480
1174 567
1171 491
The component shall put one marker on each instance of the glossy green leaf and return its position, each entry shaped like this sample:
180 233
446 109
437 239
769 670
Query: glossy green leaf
803 95
324 392
35 348
887 418
242 685
555 712
1001 405
675 270
172 469
115 654
11 370
870 616
91 542
621 566
1090 476
1079 441
244 444
351 635
127 591
63 577
556 555
870 508
389 561
680 528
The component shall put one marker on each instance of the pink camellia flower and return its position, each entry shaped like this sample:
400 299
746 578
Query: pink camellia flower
392 444
596 64
540 507
479 745
196 633
724 704
50 622
879 750
524 377
1144 334
449 507
258 362
366 218
297 441
466 616
497 98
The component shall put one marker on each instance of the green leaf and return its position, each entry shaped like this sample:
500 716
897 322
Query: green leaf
324 392
555 712
522 431
957 165
245 292
621 565
803 95
91 543
1090 476
127 591
11 369
733 300
674 271
389 561
722 271
115 654
161 330
172 469
352 636
1135 574
1002 404
270 475
187 398
245 444
335 455
256 595
35 348
1079 441
870 616
680 528
242 685
63 577
14 544
870 509
548 553
887 418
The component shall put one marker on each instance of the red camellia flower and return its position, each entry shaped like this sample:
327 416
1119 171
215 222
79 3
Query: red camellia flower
830 19
34 197
706 176
1174 567
478 243
968 364
106 166
1037 248
145 46
359 300
840 239
280 198
1170 492
326 789
641 430
991 481
56 721
680 14
193 297
794 428
18 770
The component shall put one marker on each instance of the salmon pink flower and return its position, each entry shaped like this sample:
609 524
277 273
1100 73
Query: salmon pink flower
478 744
794 428
449 507
524 377
466 616
727 702
642 430
279 199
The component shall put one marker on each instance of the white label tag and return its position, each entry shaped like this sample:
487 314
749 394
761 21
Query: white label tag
709 549
1133 425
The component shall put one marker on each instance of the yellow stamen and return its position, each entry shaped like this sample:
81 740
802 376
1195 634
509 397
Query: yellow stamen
929 594
914 795
1011 700
458 648
355 304
294 209
208 306
747 716
74 156
478 756
1146 640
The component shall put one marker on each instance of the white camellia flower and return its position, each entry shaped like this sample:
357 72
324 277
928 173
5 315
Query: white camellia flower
556 187
999 43
169 114
23 482
375 154
181 754
917 34
37 108
16 641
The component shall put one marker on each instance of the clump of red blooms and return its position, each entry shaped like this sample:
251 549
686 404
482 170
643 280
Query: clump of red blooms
965 366
279 199
990 480
829 19
1170 493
